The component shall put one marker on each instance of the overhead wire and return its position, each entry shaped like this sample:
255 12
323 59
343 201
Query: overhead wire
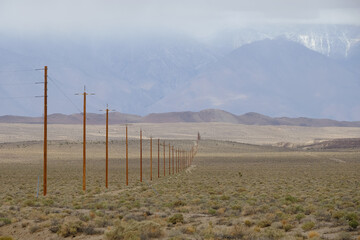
52 79
18 97
20 70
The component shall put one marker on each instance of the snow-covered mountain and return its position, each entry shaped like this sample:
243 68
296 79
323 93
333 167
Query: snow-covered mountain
264 69
334 41
273 77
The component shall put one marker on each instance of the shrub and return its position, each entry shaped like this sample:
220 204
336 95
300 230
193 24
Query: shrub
299 216
4 221
102 222
189 230
313 234
6 238
352 220
264 223
224 197
248 223
117 233
353 224
150 230
308 226
290 198
238 231
70 229
179 203
338 214
287 227
273 233
212 211
90 230
177 218
351 216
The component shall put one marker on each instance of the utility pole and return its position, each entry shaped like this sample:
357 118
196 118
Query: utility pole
107 146
150 158
127 158
45 130
158 158
172 159
84 136
177 160
140 155
169 160
164 157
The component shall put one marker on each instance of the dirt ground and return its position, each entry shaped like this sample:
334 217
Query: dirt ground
232 191
216 131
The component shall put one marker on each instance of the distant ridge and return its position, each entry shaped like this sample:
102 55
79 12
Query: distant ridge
208 115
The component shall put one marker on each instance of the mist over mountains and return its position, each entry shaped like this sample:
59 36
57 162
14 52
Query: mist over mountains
310 71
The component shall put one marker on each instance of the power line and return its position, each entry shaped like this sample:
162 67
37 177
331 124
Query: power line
16 84
19 70
17 97
63 93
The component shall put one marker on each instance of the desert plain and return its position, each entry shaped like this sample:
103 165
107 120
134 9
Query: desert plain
245 182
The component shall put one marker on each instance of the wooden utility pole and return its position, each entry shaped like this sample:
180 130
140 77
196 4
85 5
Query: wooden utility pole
127 158
169 160
84 136
140 155
172 160
150 158
164 157
177 159
107 147
45 131
158 158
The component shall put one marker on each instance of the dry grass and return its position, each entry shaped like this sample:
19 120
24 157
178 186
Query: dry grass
234 191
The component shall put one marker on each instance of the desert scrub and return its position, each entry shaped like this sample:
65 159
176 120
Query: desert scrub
264 223
90 230
273 233
6 238
212 211
70 229
188 230
134 230
338 214
313 234
352 219
248 223
176 218
308 226
4 221
353 224
238 231
299 216
179 203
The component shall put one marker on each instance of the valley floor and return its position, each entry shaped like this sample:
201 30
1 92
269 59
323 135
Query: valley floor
232 191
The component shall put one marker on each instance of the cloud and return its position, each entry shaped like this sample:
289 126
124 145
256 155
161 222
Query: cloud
194 17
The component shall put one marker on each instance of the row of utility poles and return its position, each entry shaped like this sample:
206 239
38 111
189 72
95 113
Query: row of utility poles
180 159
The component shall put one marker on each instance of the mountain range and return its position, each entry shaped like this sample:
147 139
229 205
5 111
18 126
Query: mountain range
208 115
294 71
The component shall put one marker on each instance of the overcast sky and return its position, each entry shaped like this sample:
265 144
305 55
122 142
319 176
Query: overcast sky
195 17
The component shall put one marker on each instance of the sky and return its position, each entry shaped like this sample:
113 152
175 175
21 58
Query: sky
201 18
24 23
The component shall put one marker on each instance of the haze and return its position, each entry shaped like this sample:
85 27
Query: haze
201 18
147 56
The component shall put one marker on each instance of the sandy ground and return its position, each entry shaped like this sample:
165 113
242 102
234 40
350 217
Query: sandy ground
219 131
